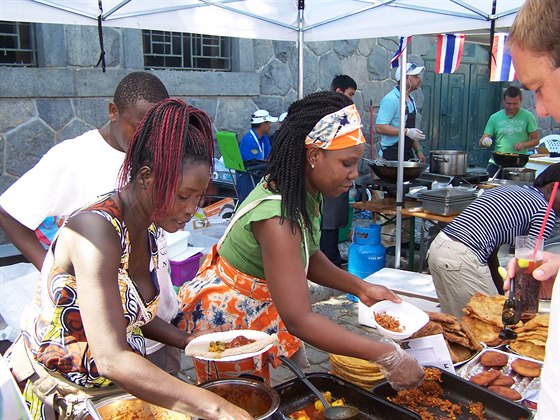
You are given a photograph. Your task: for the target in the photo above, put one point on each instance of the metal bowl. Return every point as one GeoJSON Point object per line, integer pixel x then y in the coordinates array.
{"type": "Point", "coordinates": [257, 398]}
{"type": "Point", "coordinates": [387, 169]}
{"type": "Point", "coordinates": [510, 160]}
{"type": "Point", "coordinates": [129, 407]}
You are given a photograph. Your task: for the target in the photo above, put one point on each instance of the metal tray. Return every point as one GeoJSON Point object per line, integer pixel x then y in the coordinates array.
{"type": "Point", "coordinates": [449, 194]}
{"type": "Point", "coordinates": [527, 387]}
{"type": "Point", "coordinates": [445, 209]}
{"type": "Point", "coordinates": [460, 391]}
{"type": "Point", "coordinates": [294, 395]}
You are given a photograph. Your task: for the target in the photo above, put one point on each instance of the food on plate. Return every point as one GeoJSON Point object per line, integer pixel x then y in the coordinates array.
{"type": "Point", "coordinates": [484, 378]}
{"type": "Point", "coordinates": [428, 398]}
{"type": "Point", "coordinates": [134, 408]}
{"type": "Point", "coordinates": [460, 341]}
{"type": "Point", "coordinates": [204, 346]}
{"type": "Point", "coordinates": [506, 392]}
{"type": "Point", "coordinates": [526, 368]}
{"type": "Point", "coordinates": [493, 359]}
{"type": "Point", "coordinates": [484, 318]}
{"type": "Point", "coordinates": [531, 338]}
{"type": "Point", "coordinates": [221, 346]}
{"type": "Point", "coordinates": [360, 372]}
{"type": "Point", "coordinates": [503, 380]}
{"type": "Point", "coordinates": [388, 322]}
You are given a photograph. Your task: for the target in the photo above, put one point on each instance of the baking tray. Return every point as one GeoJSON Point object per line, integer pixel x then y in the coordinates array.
{"type": "Point", "coordinates": [445, 209]}
{"type": "Point", "coordinates": [527, 387]}
{"type": "Point", "coordinates": [460, 391]}
{"type": "Point", "coordinates": [294, 395]}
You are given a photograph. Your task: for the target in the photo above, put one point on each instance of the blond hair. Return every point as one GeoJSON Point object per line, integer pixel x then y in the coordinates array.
{"type": "Point", "coordinates": [537, 28]}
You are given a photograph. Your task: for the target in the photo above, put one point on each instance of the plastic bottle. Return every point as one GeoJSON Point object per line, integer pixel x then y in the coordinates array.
{"type": "Point", "coordinates": [366, 255]}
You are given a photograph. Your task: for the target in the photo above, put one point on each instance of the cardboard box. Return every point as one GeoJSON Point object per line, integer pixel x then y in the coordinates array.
{"type": "Point", "coordinates": [221, 207]}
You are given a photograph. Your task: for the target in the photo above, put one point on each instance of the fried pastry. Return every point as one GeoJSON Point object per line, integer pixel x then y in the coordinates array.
{"type": "Point", "coordinates": [526, 368]}
{"type": "Point", "coordinates": [493, 359]}
{"type": "Point", "coordinates": [484, 378]}
{"type": "Point", "coordinates": [503, 380]}
{"type": "Point", "coordinates": [506, 392]}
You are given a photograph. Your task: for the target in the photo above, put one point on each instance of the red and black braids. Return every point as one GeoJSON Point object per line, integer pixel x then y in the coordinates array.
{"type": "Point", "coordinates": [172, 134]}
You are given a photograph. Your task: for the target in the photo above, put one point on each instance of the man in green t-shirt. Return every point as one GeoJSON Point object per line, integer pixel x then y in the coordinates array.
{"type": "Point", "coordinates": [513, 129]}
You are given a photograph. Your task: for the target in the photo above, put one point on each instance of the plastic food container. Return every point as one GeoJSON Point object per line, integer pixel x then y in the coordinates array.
{"type": "Point", "coordinates": [409, 316]}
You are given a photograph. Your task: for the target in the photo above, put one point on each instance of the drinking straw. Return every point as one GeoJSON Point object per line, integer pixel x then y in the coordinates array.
{"type": "Point", "coordinates": [541, 233]}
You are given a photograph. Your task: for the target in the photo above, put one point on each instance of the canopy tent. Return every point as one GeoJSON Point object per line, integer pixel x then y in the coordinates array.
{"type": "Point", "coordinates": [288, 20]}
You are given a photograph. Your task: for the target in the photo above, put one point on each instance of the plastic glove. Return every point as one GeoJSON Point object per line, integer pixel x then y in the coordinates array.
{"type": "Point", "coordinates": [400, 369]}
{"type": "Point", "coordinates": [415, 134]}
{"type": "Point", "coordinates": [486, 142]}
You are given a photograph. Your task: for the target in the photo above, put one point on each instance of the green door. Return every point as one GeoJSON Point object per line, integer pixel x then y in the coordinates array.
{"type": "Point", "coordinates": [457, 106]}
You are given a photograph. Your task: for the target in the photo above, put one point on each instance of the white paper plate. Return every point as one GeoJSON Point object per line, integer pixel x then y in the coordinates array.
{"type": "Point", "coordinates": [228, 336]}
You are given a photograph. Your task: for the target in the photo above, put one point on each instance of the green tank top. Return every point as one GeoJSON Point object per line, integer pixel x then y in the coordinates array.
{"type": "Point", "coordinates": [240, 247]}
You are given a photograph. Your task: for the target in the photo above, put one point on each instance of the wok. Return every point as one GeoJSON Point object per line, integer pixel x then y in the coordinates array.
{"type": "Point", "coordinates": [510, 160]}
{"type": "Point", "coordinates": [387, 169]}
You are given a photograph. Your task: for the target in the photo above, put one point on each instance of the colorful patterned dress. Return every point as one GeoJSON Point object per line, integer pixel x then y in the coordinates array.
{"type": "Point", "coordinates": [53, 324]}
{"type": "Point", "coordinates": [230, 287]}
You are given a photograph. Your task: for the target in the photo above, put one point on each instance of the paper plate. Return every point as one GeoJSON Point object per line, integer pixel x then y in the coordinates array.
{"type": "Point", "coordinates": [204, 341]}
{"type": "Point", "coordinates": [409, 316]}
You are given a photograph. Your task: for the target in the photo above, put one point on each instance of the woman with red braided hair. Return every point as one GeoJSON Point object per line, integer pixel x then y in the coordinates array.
{"type": "Point", "coordinates": [256, 277]}
{"type": "Point", "coordinates": [99, 290]}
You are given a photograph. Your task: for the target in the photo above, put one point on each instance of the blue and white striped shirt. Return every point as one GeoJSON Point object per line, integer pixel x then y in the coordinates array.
{"type": "Point", "coordinates": [498, 216]}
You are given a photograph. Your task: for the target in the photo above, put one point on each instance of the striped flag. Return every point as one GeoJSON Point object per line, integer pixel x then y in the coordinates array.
{"type": "Point", "coordinates": [501, 66]}
{"type": "Point", "coordinates": [402, 45]}
{"type": "Point", "coordinates": [449, 52]}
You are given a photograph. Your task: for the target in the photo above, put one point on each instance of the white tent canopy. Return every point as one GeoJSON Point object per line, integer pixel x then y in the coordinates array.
{"type": "Point", "coordinates": [322, 20]}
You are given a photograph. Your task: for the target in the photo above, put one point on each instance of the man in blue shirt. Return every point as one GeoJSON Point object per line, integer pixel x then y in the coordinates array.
{"type": "Point", "coordinates": [388, 118]}
{"type": "Point", "coordinates": [255, 148]}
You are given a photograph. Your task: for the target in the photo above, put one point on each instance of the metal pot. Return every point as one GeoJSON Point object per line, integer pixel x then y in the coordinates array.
{"type": "Point", "coordinates": [519, 174]}
{"type": "Point", "coordinates": [257, 398]}
{"type": "Point", "coordinates": [128, 406]}
{"type": "Point", "coordinates": [510, 160]}
{"type": "Point", "coordinates": [448, 162]}
{"type": "Point", "coordinates": [387, 169]}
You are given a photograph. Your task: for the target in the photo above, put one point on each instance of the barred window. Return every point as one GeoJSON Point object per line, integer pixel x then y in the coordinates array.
{"type": "Point", "coordinates": [186, 51]}
{"type": "Point", "coordinates": [17, 44]}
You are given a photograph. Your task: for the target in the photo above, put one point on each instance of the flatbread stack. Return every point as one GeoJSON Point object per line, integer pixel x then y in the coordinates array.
{"type": "Point", "coordinates": [484, 318]}
{"type": "Point", "coordinates": [362, 373]}
{"type": "Point", "coordinates": [531, 338]}
{"type": "Point", "coordinates": [460, 340]}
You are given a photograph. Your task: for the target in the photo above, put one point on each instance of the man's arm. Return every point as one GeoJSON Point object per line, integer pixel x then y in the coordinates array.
{"type": "Point", "coordinates": [387, 130]}
{"type": "Point", "coordinates": [482, 142]}
{"type": "Point", "coordinates": [23, 238]}
{"type": "Point", "coordinates": [533, 141]}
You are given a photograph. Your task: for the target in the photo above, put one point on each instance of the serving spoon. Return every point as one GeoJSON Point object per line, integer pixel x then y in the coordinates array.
{"type": "Point", "coordinates": [511, 312]}
{"type": "Point", "coordinates": [330, 413]}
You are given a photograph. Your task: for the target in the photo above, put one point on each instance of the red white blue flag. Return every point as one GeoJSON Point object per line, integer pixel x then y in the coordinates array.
{"type": "Point", "coordinates": [501, 66]}
{"type": "Point", "coordinates": [402, 45]}
{"type": "Point", "coordinates": [449, 52]}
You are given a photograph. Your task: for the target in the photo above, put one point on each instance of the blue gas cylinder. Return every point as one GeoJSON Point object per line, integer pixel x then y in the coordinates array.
{"type": "Point", "coordinates": [366, 255]}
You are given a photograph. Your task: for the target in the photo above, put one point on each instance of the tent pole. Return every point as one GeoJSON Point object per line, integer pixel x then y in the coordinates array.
{"type": "Point", "coordinates": [301, 7]}
{"type": "Point", "coordinates": [400, 170]}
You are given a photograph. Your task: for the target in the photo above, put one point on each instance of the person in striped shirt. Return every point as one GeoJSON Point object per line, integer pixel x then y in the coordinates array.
{"type": "Point", "coordinates": [463, 258]}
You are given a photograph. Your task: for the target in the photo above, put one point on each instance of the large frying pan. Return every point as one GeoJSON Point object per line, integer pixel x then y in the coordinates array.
{"type": "Point", "coordinates": [387, 169]}
{"type": "Point", "coordinates": [510, 160]}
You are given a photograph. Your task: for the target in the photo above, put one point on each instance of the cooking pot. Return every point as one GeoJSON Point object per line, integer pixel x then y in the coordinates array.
{"type": "Point", "coordinates": [257, 398]}
{"type": "Point", "coordinates": [387, 169]}
{"type": "Point", "coordinates": [127, 406]}
{"type": "Point", "coordinates": [448, 162]}
{"type": "Point", "coordinates": [519, 174]}
{"type": "Point", "coordinates": [510, 160]}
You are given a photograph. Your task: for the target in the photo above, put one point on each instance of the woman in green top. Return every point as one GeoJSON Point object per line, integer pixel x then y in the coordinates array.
{"type": "Point", "coordinates": [256, 277]}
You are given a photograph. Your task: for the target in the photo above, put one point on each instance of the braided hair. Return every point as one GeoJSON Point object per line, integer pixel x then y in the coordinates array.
{"type": "Point", "coordinates": [172, 134]}
{"type": "Point", "coordinates": [286, 168]}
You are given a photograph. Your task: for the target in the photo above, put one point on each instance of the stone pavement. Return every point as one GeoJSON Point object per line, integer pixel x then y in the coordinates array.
{"type": "Point", "coordinates": [337, 308]}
